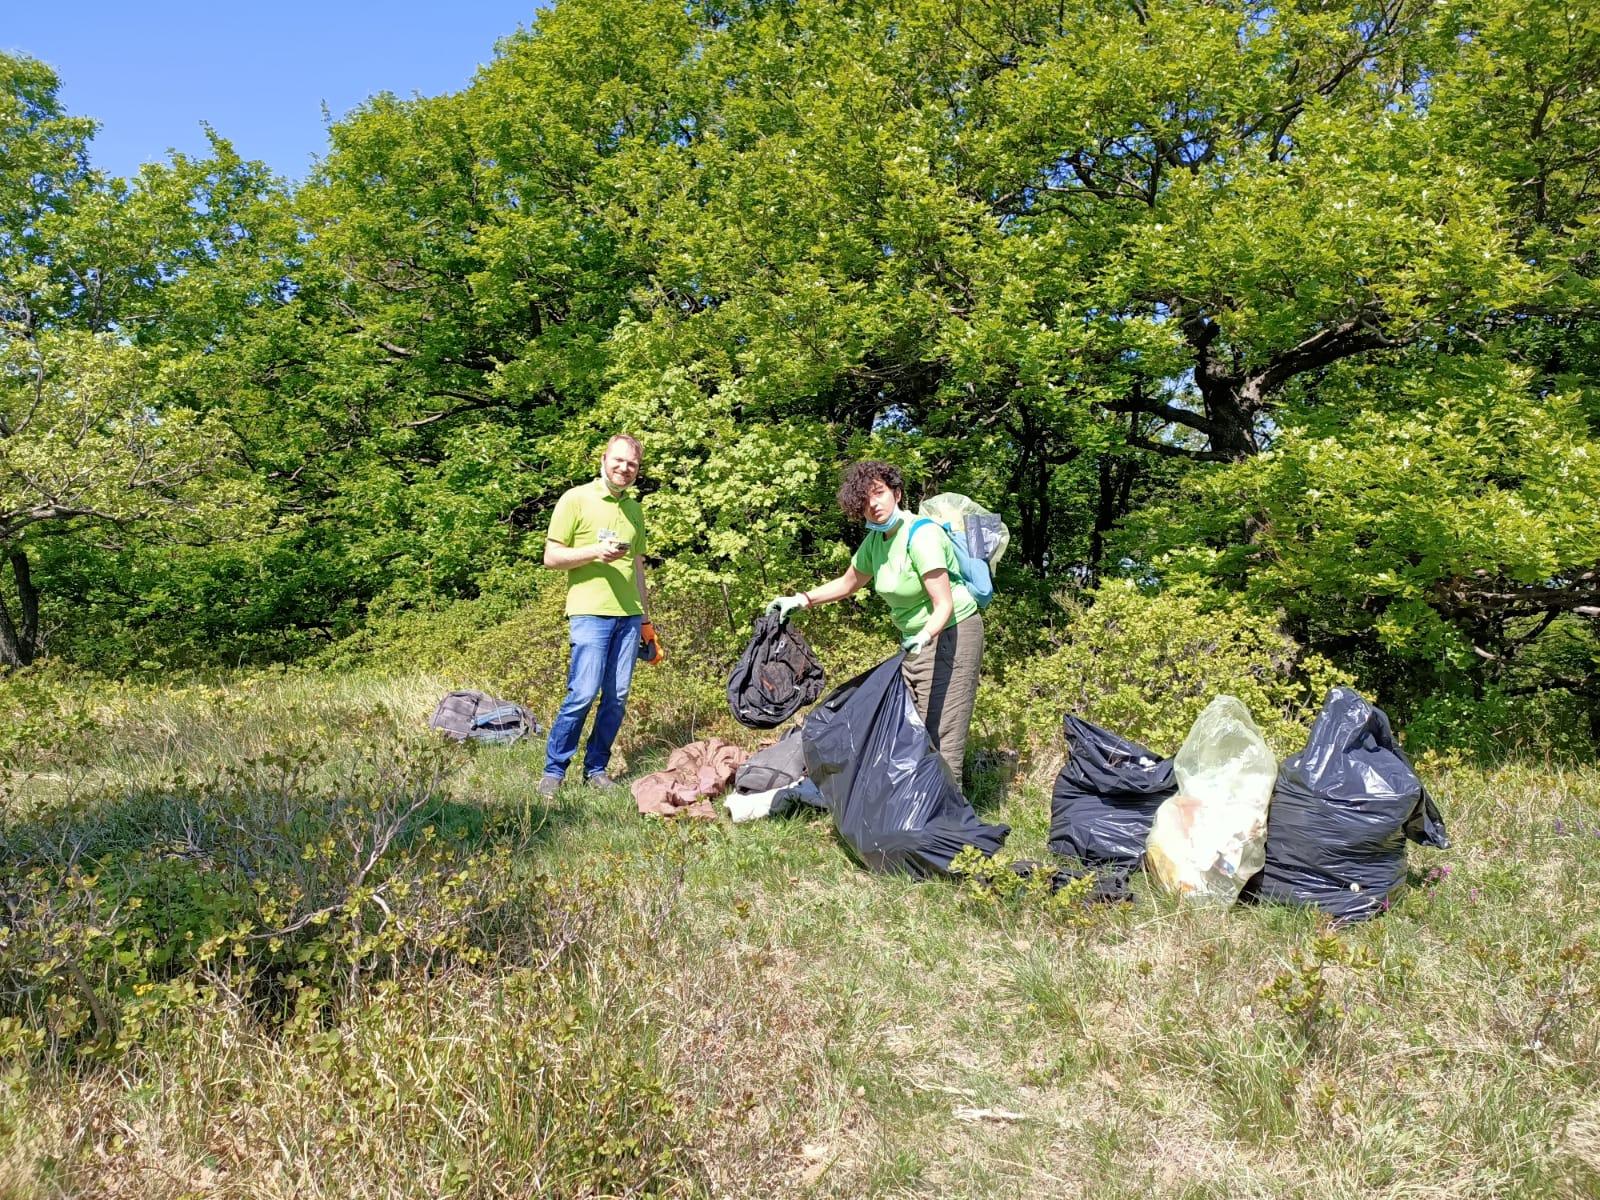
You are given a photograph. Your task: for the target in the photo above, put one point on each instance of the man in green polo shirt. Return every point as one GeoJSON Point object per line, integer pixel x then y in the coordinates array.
{"type": "Point", "coordinates": [597, 537]}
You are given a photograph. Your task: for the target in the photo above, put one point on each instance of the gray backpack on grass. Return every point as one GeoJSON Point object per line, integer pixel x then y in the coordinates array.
{"type": "Point", "coordinates": [479, 717]}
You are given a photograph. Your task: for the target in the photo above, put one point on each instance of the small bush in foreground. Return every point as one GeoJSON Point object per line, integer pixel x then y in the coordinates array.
{"type": "Point", "coordinates": [266, 881]}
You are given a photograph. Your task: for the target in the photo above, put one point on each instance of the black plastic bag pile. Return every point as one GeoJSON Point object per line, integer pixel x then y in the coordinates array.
{"type": "Point", "coordinates": [891, 795]}
{"type": "Point", "coordinates": [1106, 797]}
{"type": "Point", "coordinates": [1342, 812]}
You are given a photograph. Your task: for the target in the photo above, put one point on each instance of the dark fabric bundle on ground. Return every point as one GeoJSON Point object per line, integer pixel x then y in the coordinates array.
{"type": "Point", "coordinates": [775, 677]}
{"type": "Point", "coordinates": [781, 764]}
{"type": "Point", "coordinates": [891, 795]}
{"type": "Point", "coordinates": [1341, 814]}
{"type": "Point", "coordinates": [1106, 796]}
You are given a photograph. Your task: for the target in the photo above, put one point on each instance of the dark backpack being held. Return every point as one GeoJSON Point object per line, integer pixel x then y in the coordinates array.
{"type": "Point", "coordinates": [775, 677]}
{"type": "Point", "coordinates": [479, 717]}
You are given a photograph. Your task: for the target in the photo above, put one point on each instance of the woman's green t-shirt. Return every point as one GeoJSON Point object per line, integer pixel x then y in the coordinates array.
{"type": "Point", "coordinates": [897, 564]}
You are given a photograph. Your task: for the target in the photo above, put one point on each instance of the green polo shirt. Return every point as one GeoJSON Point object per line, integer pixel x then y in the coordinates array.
{"type": "Point", "coordinates": [897, 569]}
{"type": "Point", "coordinates": [600, 589]}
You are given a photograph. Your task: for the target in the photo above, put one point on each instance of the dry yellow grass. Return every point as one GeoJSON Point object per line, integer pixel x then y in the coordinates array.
{"type": "Point", "coordinates": [811, 1029]}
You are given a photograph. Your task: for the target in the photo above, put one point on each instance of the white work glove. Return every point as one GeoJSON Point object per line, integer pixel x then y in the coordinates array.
{"type": "Point", "coordinates": [784, 605]}
{"type": "Point", "coordinates": [915, 644]}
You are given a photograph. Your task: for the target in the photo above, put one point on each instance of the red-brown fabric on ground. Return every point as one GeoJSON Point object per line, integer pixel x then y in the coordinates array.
{"type": "Point", "coordinates": [693, 774]}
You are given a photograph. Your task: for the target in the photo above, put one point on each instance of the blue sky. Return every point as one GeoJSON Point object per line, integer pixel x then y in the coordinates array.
{"type": "Point", "coordinates": [151, 71]}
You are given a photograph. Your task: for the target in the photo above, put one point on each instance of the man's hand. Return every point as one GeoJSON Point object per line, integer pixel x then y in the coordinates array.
{"type": "Point", "coordinates": [915, 644]}
{"type": "Point", "coordinates": [784, 605]}
{"type": "Point", "coordinates": [650, 645]}
{"type": "Point", "coordinates": [610, 551]}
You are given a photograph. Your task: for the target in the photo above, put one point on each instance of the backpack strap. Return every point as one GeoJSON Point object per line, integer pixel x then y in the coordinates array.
{"type": "Point", "coordinates": [501, 715]}
{"type": "Point", "coordinates": [955, 573]}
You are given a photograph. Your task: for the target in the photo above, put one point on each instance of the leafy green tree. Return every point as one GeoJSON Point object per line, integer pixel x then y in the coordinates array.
{"type": "Point", "coordinates": [110, 295]}
{"type": "Point", "coordinates": [1435, 532]}
{"type": "Point", "coordinates": [1212, 267]}
{"type": "Point", "coordinates": [88, 450]}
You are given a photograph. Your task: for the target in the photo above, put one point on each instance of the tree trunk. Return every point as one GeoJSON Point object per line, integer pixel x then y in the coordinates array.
{"type": "Point", "coordinates": [19, 639]}
{"type": "Point", "coordinates": [1029, 486]}
{"type": "Point", "coordinates": [1116, 476]}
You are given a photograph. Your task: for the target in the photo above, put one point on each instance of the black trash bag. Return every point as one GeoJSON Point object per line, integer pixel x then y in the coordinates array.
{"type": "Point", "coordinates": [1341, 813]}
{"type": "Point", "coordinates": [775, 677]}
{"type": "Point", "coordinates": [1106, 797]}
{"type": "Point", "coordinates": [892, 797]}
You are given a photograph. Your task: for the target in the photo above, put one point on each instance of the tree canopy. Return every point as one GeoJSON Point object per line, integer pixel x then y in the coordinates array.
{"type": "Point", "coordinates": [1297, 303]}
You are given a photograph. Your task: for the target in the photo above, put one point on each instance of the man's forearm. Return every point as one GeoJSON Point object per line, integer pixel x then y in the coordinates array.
{"type": "Point", "coordinates": [564, 558]}
{"type": "Point", "coordinates": [638, 579]}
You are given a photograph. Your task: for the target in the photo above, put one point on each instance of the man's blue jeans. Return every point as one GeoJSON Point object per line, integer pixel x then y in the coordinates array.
{"type": "Point", "coordinates": [604, 650]}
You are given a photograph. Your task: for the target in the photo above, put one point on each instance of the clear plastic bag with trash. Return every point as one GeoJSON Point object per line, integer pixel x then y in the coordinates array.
{"type": "Point", "coordinates": [1210, 838]}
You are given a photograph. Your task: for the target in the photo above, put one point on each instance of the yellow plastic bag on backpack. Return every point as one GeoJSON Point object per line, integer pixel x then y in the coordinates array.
{"type": "Point", "coordinates": [988, 537]}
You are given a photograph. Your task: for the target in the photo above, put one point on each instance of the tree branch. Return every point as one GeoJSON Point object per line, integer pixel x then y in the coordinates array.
{"type": "Point", "coordinates": [1323, 348]}
{"type": "Point", "coordinates": [1139, 441]}
{"type": "Point", "coordinates": [471, 404]}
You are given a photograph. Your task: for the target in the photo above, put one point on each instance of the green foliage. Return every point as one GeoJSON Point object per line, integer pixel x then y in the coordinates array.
{"type": "Point", "coordinates": [89, 439]}
{"type": "Point", "coordinates": [1548, 723]}
{"type": "Point", "coordinates": [113, 295]}
{"type": "Point", "coordinates": [1434, 537]}
{"type": "Point", "coordinates": [1307, 293]}
{"type": "Point", "coordinates": [1001, 882]}
{"type": "Point", "coordinates": [442, 637]}
{"type": "Point", "coordinates": [293, 891]}
{"type": "Point", "coordinates": [142, 608]}
{"type": "Point", "coordinates": [1145, 665]}
{"type": "Point", "coordinates": [1420, 517]}
{"type": "Point", "coordinates": [1301, 995]}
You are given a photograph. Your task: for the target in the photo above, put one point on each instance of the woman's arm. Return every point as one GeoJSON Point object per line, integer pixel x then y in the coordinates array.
{"type": "Point", "coordinates": [838, 588]}
{"type": "Point", "coordinates": [937, 585]}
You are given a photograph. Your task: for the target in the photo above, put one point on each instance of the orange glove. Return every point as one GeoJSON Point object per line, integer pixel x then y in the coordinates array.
{"type": "Point", "coordinates": [650, 645]}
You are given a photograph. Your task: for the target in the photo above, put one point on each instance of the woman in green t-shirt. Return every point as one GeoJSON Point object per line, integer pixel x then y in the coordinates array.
{"type": "Point", "coordinates": [940, 627]}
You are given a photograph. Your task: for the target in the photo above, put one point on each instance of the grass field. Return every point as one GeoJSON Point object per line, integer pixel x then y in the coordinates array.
{"type": "Point", "coordinates": [525, 998]}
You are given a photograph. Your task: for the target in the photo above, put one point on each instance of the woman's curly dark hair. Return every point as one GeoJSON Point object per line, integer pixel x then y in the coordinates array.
{"type": "Point", "coordinates": [856, 484]}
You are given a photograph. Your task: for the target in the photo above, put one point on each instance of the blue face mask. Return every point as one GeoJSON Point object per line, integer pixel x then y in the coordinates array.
{"type": "Point", "coordinates": [895, 518]}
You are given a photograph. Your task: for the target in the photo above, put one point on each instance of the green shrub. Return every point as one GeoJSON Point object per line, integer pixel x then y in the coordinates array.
{"type": "Point", "coordinates": [1144, 666]}
{"type": "Point", "coordinates": [1550, 723]}
{"type": "Point", "coordinates": [287, 883]}
{"type": "Point", "coordinates": [521, 656]}
{"type": "Point", "coordinates": [418, 639]}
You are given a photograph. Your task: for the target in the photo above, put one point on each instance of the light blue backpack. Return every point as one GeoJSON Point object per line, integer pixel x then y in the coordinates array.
{"type": "Point", "coordinates": [974, 571]}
